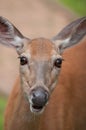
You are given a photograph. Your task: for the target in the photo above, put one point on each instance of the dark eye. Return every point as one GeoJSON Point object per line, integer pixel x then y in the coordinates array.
{"type": "Point", "coordinates": [58, 62]}
{"type": "Point", "coordinates": [23, 60]}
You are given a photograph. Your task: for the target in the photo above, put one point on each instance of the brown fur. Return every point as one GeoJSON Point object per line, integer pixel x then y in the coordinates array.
{"type": "Point", "coordinates": [67, 106]}
{"type": "Point", "coordinates": [41, 49]}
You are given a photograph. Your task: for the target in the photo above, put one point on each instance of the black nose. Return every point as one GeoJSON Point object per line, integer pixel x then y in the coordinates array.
{"type": "Point", "coordinates": [39, 97]}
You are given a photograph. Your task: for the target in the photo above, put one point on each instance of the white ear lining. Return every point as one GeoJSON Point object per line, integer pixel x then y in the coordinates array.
{"type": "Point", "coordinates": [62, 44]}
{"type": "Point", "coordinates": [18, 42]}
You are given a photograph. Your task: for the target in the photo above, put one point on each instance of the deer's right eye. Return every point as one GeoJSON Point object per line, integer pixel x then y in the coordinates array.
{"type": "Point", "coordinates": [23, 60]}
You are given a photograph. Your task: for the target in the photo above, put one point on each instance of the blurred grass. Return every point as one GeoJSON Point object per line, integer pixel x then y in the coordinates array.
{"type": "Point", "coordinates": [3, 101]}
{"type": "Point", "coordinates": [78, 6]}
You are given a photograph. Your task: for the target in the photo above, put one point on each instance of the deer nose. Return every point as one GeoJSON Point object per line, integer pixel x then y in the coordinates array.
{"type": "Point", "coordinates": [39, 97]}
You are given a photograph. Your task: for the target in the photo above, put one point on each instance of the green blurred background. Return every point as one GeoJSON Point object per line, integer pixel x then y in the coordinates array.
{"type": "Point", "coordinates": [3, 102]}
{"type": "Point", "coordinates": [79, 8]}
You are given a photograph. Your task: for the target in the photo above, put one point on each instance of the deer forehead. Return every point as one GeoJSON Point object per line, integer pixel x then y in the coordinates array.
{"type": "Point", "coordinates": [41, 49]}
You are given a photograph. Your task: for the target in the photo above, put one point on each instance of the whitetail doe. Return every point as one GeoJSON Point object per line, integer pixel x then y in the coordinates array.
{"type": "Point", "coordinates": [32, 105]}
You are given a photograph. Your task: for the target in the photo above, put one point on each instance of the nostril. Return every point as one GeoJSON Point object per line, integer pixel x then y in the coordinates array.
{"type": "Point", "coordinates": [34, 96]}
{"type": "Point", "coordinates": [46, 95]}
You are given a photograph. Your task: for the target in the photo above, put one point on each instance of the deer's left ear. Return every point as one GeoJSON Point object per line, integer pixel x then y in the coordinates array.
{"type": "Point", "coordinates": [71, 34]}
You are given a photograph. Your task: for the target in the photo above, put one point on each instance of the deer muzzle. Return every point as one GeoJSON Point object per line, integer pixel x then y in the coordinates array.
{"type": "Point", "coordinates": [38, 99]}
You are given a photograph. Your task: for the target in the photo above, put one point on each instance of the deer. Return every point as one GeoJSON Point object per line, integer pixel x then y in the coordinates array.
{"type": "Point", "coordinates": [50, 93]}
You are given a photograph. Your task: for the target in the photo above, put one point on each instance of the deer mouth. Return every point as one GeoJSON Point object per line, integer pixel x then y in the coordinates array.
{"type": "Point", "coordinates": [36, 109]}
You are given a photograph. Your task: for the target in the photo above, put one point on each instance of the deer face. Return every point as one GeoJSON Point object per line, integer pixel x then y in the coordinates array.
{"type": "Point", "coordinates": [40, 59]}
{"type": "Point", "coordinates": [40, 65]}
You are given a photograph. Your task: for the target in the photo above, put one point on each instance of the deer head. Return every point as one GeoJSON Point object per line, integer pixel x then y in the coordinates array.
{"type": "Point", "coordinates": [40, 59]}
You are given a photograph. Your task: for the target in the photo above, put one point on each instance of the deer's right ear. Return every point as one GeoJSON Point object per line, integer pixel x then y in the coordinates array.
{"type": "Point", "coordinates": [9, 35]}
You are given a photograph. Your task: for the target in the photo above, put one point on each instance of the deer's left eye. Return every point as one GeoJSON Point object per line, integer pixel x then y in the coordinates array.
{"type": "Point", "coordinates": [58, 62]}
{"type": "Point", "coordinates": [23, 60]}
